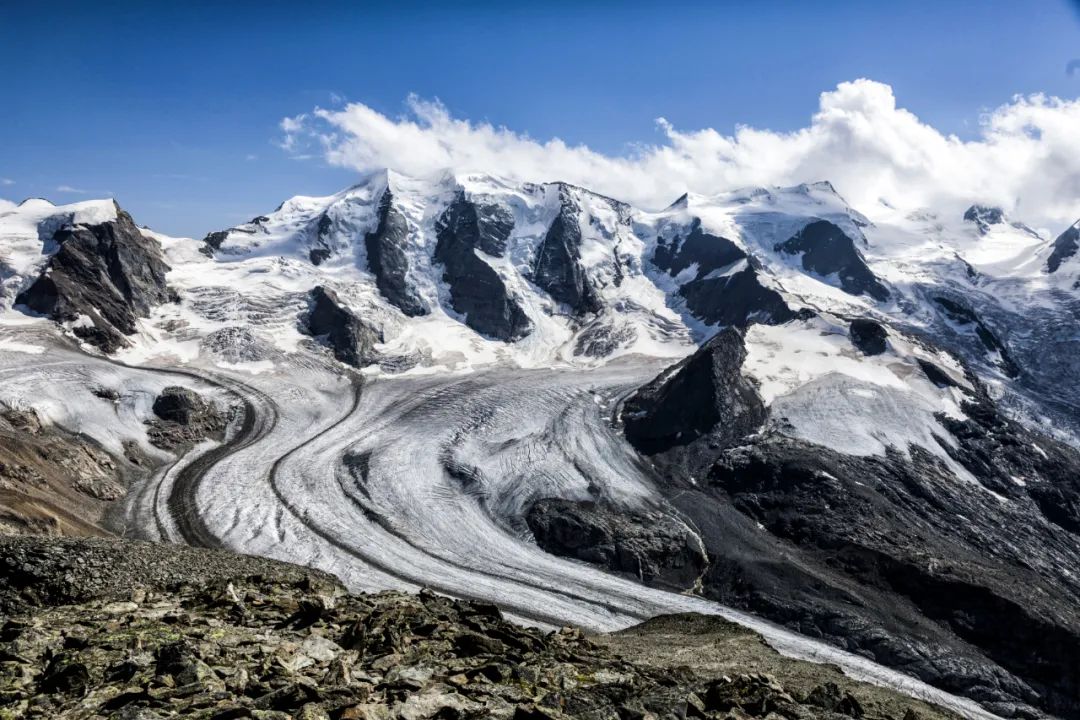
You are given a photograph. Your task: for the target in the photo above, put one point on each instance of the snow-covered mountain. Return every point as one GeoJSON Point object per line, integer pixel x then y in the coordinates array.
{"type": "Point", "coordinates": [464, 271]}
{"type": "Point", "coordinates": [802, 353]}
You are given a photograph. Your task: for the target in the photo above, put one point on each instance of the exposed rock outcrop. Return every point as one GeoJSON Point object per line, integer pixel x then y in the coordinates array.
{"type": "Point", "coordinates": [696, 247]}
{"type": "Point", "coordinates": [984, 217]}
{"type": "Point", "coordinates": [52, 481]}
{"type": "Point", "coordinates": [131, 630]}
{"type": "Point", "coordinates": [388, 261]}
{"type": "Point", "coordinates": [476, 290]}
{"type": "Point", "coordinates": [725, 288]}
{"type": "Point", "coordinates": [736, 299]}
{"type": "Point", "coordinates": [652, 547]}
{"type": "Point", "coordinates": [352, 339]}
{"type": "Point", "coordinates": [1065, 246]}
{"type": "Point", "coordinates": [965, 319]}
{"type": "Point", "coordinates": [101, 278]}
{"type": "Point", "coordinates": [213, 242]}
{"type": "Point", "coordinates": [827, 250]}
{"type": "Point", "coordinates": [869, 336]}
{"type": "Point", "coordinates": [557, 268]}
{"type": "Point", "coordinates": [703, 395]}
{"type": "Point", "coordinates": [867, 551]}
{"type": "Point", "coordinates": [183, 418]}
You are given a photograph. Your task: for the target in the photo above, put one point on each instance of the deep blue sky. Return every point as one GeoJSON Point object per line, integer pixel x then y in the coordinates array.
{"type": "Point", "coordinates": [160, 104]}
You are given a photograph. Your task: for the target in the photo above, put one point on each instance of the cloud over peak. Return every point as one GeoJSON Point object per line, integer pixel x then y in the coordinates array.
{"type": "Point", "coordinates": [1026, 157]}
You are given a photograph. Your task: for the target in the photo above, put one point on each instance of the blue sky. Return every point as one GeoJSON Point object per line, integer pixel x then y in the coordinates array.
{"type": "Point", "coordinates": [174, 108]}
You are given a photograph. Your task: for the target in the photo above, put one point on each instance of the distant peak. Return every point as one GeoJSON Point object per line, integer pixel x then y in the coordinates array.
{"type": "Point", "coordinates": [985, 215]}
{"type": "Point", "coordinates": [36, 200]}
{"type": "Point", "coordinates": [681, 203]}
{"type": "Point", "coordinates": [820, 186]}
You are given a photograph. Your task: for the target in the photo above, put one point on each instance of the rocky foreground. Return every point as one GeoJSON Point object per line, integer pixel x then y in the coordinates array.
{"type": "Point", "coordinates": [112, 629]}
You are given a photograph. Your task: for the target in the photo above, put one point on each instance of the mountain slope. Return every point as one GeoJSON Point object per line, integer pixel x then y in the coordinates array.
{"type": "Point", "coordinates": [903, 388]}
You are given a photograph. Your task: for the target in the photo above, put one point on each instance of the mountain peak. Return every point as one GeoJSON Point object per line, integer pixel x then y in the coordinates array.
{"type": "Point", "coordinates": [985, 216]}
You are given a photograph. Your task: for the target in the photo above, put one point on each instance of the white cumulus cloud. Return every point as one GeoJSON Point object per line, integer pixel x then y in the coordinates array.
{"type": "Point", "coordinates": [69, 189]}
{"type": "Point", "coordinates": [6, 181]}
{"type": "Point", "coordinates": [1025, 156]}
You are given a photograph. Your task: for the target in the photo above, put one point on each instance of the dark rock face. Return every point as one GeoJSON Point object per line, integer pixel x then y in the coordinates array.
{"type": "Point", "coordinates": [1065, 247]}
{"type": "Point", "coordinates": [736, 300]}
{"type": "Point", "coordinates": [990, 618]}
{"type": "Point", "coordinates": [984, 216]}
{"type": "Point", "coordinates": [110, 272]}
{"type": "Point", "coordinates": [318, 256]}
{"type": "Point", "coordinates": [868, 336]}
{"type": "Point", "coordinates": [352, 340]}
{"type": "Point", "coordinates": [476, 290]}
{"type": "Point", "coordinates": [180, 405]}
{"type": "Point", "coordinates": [970, 584]}
{"type": "Point", "coordinates": [387, 259]}
{"type": "Point", "coordinates": [826, 250]}
{"type": "Point", "coordinates": [557, 268]}
{"type": "Point", "coordinates": [184, 417]}
{"type": "Point", "coordinates": [705, 395]}
{"type": "Point", "coordinates": [710, 252]}
{"type": "Point", "coordinates": [212, 242]}
{"type": "Point", "coordinates": [652, 547]}
{"type": "Point", "coordinates": [964, 316]}
{"type": "Point", "coordinates": [720, 293]}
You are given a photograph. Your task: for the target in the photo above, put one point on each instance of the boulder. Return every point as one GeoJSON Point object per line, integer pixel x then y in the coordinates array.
{"type": "Point", "coordinates": [1065, 246]}
{"type": "Point", "coordinates": [183, 418]}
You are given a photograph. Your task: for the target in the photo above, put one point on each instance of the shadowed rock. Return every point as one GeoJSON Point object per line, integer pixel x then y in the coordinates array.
{"type": "Point", "coordinates": [557, 268]}
{"type": "Point", "coordinates": [984, 216]}
{"type": "Point", "coordinates": [184, 417]}
{"type": "Point", "coordinates": [868, 336]}
{"type": "Point", "coordinates": [476, 290]}
{"type": "Point", "coordinates": [964, 317]}
{"type": "Point", "coordinates": [827, 250]}
{"type": "Point", "coordinates": [352, 340]}
{"type": "Point", "coordinates": [710, 252]}
{"type": "Point", "coordinates": [387, 259]}
{"type": "Point", "coordinates": [109, 273]}
{"type": "Point", "coordinates": [1065, 247]}
{"type": "Point", "coordinates": [737, 299]}
{"type": "Point", "coordinates": [649, 546]}
{"type": "Point", "coordinates": [725, 288]}
{"type": "Point", "coordinates": [704, 395]}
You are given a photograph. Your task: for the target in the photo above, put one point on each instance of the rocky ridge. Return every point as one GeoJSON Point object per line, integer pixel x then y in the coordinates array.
{"type": "Point", "coordinates": [865, 551]}
{"type": "Point", "coordinates": [102, 277]}
{"type": "Point", "coordinates": [208, 635]}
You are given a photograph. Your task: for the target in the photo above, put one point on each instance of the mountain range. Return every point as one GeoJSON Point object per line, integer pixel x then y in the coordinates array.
{"type": "Point", "coordinates": [860, 427]}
